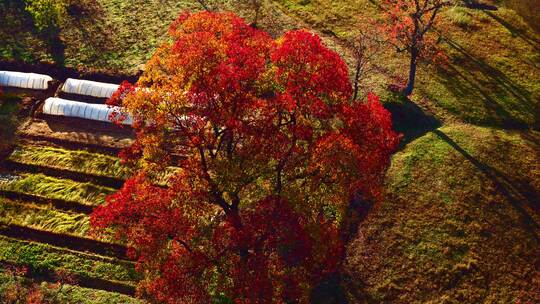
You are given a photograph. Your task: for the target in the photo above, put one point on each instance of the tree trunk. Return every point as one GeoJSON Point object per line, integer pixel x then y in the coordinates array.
{"type": "Point", "coordinates": [356, 80]}
{"type": "Point", "coordinates": [412, 72]}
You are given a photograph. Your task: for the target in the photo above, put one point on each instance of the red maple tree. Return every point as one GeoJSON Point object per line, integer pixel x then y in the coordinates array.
{"type": "Point", "coordinates": [268, 151]}
{"type": "Point", "coordinates": [409, 27]}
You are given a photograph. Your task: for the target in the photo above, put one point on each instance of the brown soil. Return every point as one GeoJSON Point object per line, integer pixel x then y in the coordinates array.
{"type": "Point", "coordinates": [78, 131]}
{"type": "Point", "coordinates": [82, 98]}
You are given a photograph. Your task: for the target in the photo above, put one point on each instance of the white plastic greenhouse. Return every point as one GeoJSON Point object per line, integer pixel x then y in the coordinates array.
{"type": "Point", "coordinates": [24, 80]}
{"type": "Point", "coordinates": [89, 88]}
{"type": "Point", "coordinates": [69, 108]}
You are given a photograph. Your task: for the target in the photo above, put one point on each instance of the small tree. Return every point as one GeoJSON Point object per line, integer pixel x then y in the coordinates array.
{"type": "Point", "coordinates": [255, 6]}
{"type": "Point", "coordinates": [272, 152]}
{"type": "Point", "coordinates": [365, 45]}
{"type": "Point", "coordinates": [408, 25]}
{"type": "Point", "coordinates": [206, 6]}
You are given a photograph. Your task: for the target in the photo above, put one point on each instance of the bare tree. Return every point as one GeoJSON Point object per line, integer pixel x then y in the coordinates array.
{"type": "Point", "coordinates": [365, 46]}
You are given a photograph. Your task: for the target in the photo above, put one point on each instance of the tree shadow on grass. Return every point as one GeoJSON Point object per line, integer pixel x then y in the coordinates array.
{"type": "Point", "coordinates": [518, 32]}
{"type": "Point", "coordinates": [16, 28]}
{"type": "Point", "coordinates": [88, 17]}
{"type": "Point", "coordinates": [471, 78]}
{"type": "Point", "coordinates": [83, 30]}
{"type": "Point", "coordinates": [9, 108]}
{"type": "Point", "coordinates": [520, 194]}
{"type": "Point", "coordinates": [56, 47]}
{"type": "Point", "coordinates": [465, 87]}
{"type": "Point", "coordinates": [17, 23]}
{"type": "Point", "coordinates": [330, 291]}
{"type": "Point", "coordinates": [410, 120]}
{"type": "Point", "coordinates": [495, 75]}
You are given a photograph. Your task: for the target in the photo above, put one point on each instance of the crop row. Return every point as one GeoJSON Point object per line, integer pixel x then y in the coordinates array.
{"type": "Point", "coordinates": [47, 187]}
{"type": "Point", "coordinates": [79, 161]}
{"type": "Point", "coordinates": [43, 217]}
{"type": "Point", "coordinates": [45, 258]}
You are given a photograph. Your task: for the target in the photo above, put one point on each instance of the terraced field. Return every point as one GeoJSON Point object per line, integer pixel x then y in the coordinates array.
{"type": "Point", "coordinates": [46, 195]}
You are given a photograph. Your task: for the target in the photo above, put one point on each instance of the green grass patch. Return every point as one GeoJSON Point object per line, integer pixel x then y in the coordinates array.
{"type": "Point", "coordinates": [42, 257]}
{"type": "Point", "coordinates": [113, 35]}
{"type": "Point", "coordinates": [62, 189]}
{"type": "Point", "coordinates": [76, 294]}
{"type": "Point", "coordinates": [491, 78]}
{"type": "Point", "coordinates": [461, 210]}
{"type": "Point", "coordinates": [79, 161]}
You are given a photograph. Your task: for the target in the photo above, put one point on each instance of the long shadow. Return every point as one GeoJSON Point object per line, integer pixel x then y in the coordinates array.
{"type": "Point", "coordinates": [90, 13]}
{"type": "Point", "coordinates": [463, 86]}
{"type": "Point", "coordinates": [518, 196]}
{"type": "Point", "coordinates": [518, 32]}
{"type": "Point", "coordinates": [330, 289]}
{"type": "Point", "coordinates": [498, 77]}
{"type": "Point", "coordinates": [87, 23]}
{"type": "Point", "coordinates": [15, 19]}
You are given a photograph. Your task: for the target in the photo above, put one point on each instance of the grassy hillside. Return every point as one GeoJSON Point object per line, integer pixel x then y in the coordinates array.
{"type": "Point", "coordinates": [491, 78]}
{"type": "Point", "coordinates": [493, 70]}
{"type": "Point", "coordinates": [460, 223]}
{"type": "Point", "coordinates": [103, 35]}
{"type": "Point", "coordinates": [113, 35]}
{"type": "Point", "coordinates": [44, 224]}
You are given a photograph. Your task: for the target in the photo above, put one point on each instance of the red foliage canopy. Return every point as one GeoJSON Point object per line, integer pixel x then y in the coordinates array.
{"type": "Point", "coordinates": [268, 152]}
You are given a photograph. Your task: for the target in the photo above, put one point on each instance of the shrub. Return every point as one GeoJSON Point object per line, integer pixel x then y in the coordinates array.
{"type": "Point", "coordinates": [47, 14]}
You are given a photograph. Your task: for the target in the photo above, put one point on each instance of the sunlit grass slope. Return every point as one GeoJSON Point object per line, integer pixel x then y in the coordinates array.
{"type": "Point", "coordinates": [43, 217]}
{"type": "Point", "coordinates": [43, 257]}
{"type": "Point", "coordinates": [61, 189]}
{"type": "Point", "coordinates": [104, 34]}
{"type": "Point", "coordinates": [460, 223]}
{"type": "Point", "coordinates": [70, 160]}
